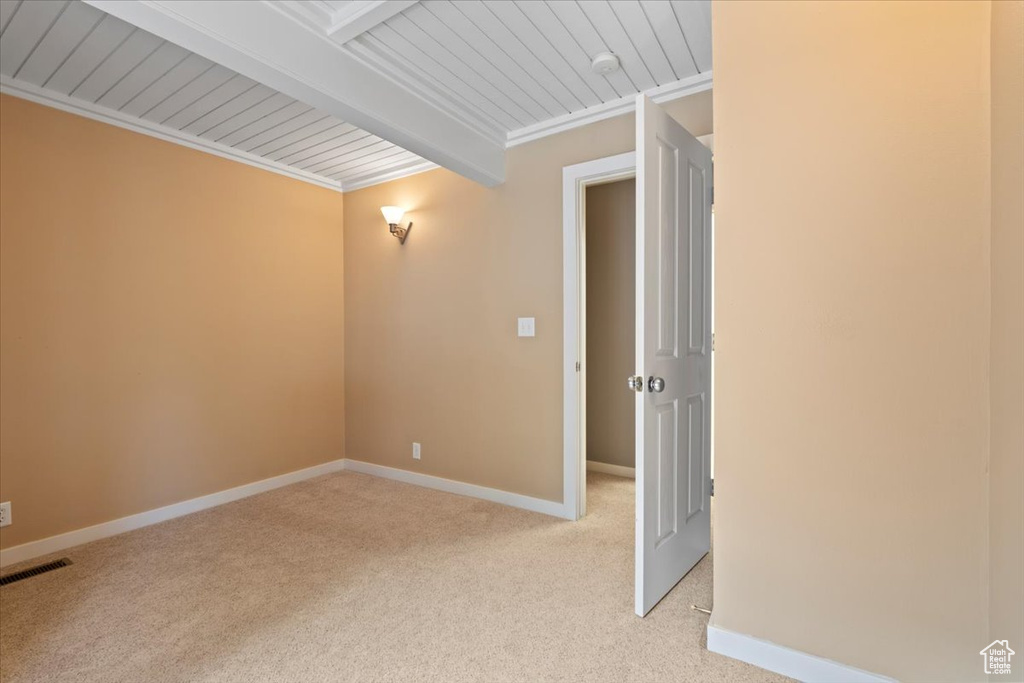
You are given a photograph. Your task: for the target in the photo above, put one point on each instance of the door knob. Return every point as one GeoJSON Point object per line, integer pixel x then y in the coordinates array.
{"type": "Point", "coordinates": [655, 384]}
{"type": "Point", "coordinates": [635, 383]}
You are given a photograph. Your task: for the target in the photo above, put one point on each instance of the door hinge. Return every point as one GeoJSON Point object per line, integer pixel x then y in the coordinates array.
{"type": "Point", "coordinates": [712, 341]}
{"type": "Point", "coordinates": [577, 366]}
{"type": "Point", "coordinates": [712, 486]}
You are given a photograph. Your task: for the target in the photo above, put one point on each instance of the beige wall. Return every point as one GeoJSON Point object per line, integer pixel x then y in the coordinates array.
{"type": "Point", "coordinates": [1007, 470]}
{"type": "Point", "coordinates": [171, 323]}
{"type": "Point", "coordinates": [611, 321]}
{"type": "Point", "coordinates": [852, 266]}
{"type": "Point", "coordinates": [431, 352]}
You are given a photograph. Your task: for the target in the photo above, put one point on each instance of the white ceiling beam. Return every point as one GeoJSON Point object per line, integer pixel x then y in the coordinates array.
{"type": "Point", "coordinates": [255, 39]}
{"type": "Point", "coordinates": [362, 15]}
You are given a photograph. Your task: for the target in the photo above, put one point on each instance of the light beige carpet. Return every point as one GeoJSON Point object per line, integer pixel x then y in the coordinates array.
{"type": "Point", "coordinates": [352, 578]}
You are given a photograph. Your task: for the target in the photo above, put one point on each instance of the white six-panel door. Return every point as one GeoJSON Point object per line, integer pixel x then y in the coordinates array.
{"type": "Point", "coordinates": [673, 344]}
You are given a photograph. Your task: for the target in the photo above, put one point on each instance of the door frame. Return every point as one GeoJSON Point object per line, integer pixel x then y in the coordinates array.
{"type": "Point", "coordinates": [575, 181]}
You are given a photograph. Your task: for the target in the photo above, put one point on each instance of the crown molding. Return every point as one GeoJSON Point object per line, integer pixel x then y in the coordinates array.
{"type": "Point", "coordinates": [623, 105]}
{"type": "Point", "coordinates": [50, 98]}
{"type": "Point", "coordinates": [394, 173]}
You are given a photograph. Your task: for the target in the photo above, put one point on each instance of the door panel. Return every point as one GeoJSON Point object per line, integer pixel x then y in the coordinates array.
{"type": "Point", "coordinates": [673, 529]}
{"type": "Point", "coordinates": [668, 263]}
{"type": "Point", "coordinates": [695, 454]}
{"type": "Point", "coordinates": [697, 235]}
{"type": "Point", "coordinates": [668, 436]}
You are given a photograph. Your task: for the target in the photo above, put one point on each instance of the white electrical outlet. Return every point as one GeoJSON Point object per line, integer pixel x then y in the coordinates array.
{"type": "Point", "coordinates": [5, 514]}
{"type": "Point", "coordinates": [527, 327]}
{"type": "Point", "coordinates": [415, 451]}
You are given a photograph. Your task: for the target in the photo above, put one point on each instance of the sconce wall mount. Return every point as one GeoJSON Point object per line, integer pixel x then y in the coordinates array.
{"type": "Point", "coordinates": [393, 215]}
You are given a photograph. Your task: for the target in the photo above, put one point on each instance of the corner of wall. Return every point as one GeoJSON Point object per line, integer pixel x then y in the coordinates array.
{"type": "Point", "coordinates": [1006, 376]}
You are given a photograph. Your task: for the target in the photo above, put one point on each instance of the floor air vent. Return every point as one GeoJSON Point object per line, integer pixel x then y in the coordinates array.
{"type": "Point", "coordinates": [33, 571]}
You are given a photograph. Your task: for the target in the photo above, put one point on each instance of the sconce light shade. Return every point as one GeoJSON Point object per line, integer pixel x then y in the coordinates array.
{"type": "Point", "coordinates": [392, 214]}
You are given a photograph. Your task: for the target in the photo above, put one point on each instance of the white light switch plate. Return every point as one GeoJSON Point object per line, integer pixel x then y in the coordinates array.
{"type": "Point", "coordinates": [527, 327]}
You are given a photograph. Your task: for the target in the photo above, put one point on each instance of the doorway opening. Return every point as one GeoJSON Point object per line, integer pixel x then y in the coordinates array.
{"type": "Point", "coordinates": [608, 295]}
{"type": "Point", "coordinates": [609, 273]}
{"type": "Point", "coordinates": [576, 180]}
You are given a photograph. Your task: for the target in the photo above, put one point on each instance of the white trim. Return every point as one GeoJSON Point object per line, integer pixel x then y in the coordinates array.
{"type": "Point", "coordinates": [415, 85]}
{"type": "Point", "coordinates": [53, 544]}
{"type": "Point", "coordinates": [546, 507]}
{"type": "Point", "coordinates": [599, 112]}
{"type": "Point", "coordinates": [312, 15]}
{"type": "Point", "coordinates": [93, 111]}
{"type": "Point", "coordinates": [51, 98]}
{"type": "Point", "coordinates": [342, 25]}
{"type": "Point", "coordinates": [359, 17]}
{"type": "Point", "coordinates": [385, 175]}
{"type": "Point", "coordinates": [574, 179]}
{"type": "Point", "coordinates": [608, 468]}
{"type": "Point", "coordinates": [45, 546]}
{"type": "Point", "coordinates": [784, 660]}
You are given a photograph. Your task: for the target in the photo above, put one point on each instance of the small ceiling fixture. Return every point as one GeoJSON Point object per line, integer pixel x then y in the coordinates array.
{"type": "Point", "coordinates": [393, 215]}
{"type": "Point", "coordinates": [605, 63]}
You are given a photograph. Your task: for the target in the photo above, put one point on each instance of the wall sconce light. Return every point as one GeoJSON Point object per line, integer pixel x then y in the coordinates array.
{"type": "Point", "coordinates": [393, 215]}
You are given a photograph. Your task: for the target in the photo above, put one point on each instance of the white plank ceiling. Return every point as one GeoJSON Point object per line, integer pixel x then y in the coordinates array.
{"type": "Point", "coordinates": [67, 52]}
{"type": "Point", "coordinates": [512, 70]}
{"type": "Point", "coordinates": [513, 66]}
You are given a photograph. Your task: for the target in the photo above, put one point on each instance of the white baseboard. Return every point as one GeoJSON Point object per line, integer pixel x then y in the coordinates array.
{"type": "Point", "coordinates": [606, 468]}
{"type": "Point", "coordinates": [45, 546]}
{"type": "Point", "coordinates": [785, 661]}
{"type": "Point", "coordinates": [546, 507]}
{"type": "Point", "coordinates": [53, 544]}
